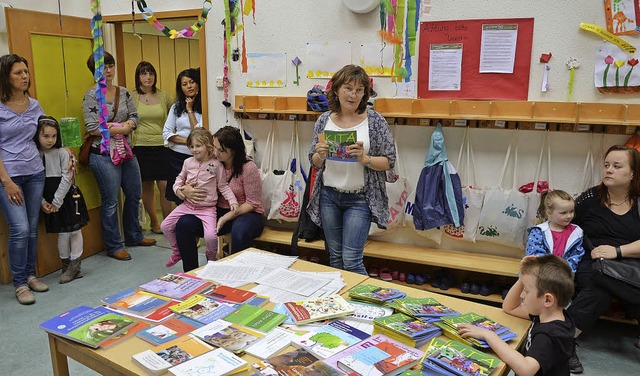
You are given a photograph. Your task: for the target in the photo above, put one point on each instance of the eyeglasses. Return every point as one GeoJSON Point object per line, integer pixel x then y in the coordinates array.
{"type": "Point", "coordinates": [350, 91]}
{"type": "Point", "coordinates": [109, 66]}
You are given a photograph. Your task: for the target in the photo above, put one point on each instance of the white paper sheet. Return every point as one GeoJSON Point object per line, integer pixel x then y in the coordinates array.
{"type": "Point", "coordinates": [293, 281]}
{"type": "Point", "coordinates": [219, 271]}
{"type": "Point", "coordinates": [445, 66]}
{"type": "Point", "coordinates": [326, 58]}
{"type": "Point", "coordinates": [498, 49]}
{"type": "Point", "coordinates": [266, 70]}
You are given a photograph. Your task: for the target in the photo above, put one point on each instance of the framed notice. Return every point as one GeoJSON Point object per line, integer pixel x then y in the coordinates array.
{"type": "Point", "coordinates": [475, 59]}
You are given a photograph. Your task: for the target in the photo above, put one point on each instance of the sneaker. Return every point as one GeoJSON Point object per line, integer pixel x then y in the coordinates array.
{"type": "Point", "coordinates": [24, 295]}
{"type": "Point", "coordinates": [373, 271]}
{"type": "Point", "coordinates": [173, 260]}
{"type": "Point", "coordinates": [385, 274]}
{"type": "Point", "coordinates": [35, 285]}
{"type": "Point", "coordinates": [574, 363]}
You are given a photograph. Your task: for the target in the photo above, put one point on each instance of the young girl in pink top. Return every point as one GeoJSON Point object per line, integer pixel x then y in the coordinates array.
{"type": "Point", "coordinates": [557, 234]}
{"type": "Point", "coordinates": [203, 171]}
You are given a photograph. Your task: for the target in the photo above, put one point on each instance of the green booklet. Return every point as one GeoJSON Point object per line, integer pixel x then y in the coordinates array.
{"type": "Point", "coordinates": [463, 360]}
{"type": "Point", "coordinates": [477, 320]}
{"type": "Point", "coordinates": [423, 307]}
{"type": "Point", "coordinates": [406, 325]}
{"type": "Point", "coordinates": [256, 318]}
{"type": "Point", "coordinates": [338, 142]}
{"type": "Point", "coordinates": [374, 294]}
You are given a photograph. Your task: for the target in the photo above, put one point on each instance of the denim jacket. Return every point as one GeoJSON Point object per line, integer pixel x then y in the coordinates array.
{"type": "Point", "coordinates": [381, 144]}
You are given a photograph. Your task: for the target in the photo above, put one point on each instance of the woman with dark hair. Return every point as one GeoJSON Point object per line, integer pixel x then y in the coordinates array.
{"type": "Point", "coordinates": [21, 174]}
{"type": "Point", "coordinates": [350, 186]}
{"type": "Point", "coordinates": [609, 215]}
{"type": "Point", "coordinates": [185, 115]}
{"type": "Point", "coordinates": [153, 106]}
{"type": "Point", "coordinates": [243, 177]}
{"type": "Point", "coordinates": [122, 119]}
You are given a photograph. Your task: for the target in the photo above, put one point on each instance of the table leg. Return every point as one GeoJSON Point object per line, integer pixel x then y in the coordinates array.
{"type": "Point", "coordinates": [58, 360]}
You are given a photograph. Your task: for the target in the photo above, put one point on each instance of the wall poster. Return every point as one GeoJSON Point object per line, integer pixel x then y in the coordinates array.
{"type": "Point", "coordinates": [461, 72]}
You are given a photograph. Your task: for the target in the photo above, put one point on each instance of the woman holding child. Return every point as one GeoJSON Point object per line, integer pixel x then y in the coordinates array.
{"type": "Point", "coordinates": [609, 215]}
{"type": "Point", "coordinates": [243, 177]}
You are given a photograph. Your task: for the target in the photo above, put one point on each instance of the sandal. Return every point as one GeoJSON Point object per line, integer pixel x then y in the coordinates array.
{"type": "Point", "coordinates": [385, 274]}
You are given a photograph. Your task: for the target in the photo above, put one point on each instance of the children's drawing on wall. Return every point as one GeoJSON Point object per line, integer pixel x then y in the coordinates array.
{"type": "Point", "coordinates": [622, 16]}
{"type": "Point", "coordinates": [404, 89]}
{"type": "Point", "coordinates": [326, 58]}
{"type": "Point", "coordinates": [614, 71]}
{"type": "Point", "coordinates": [266, 70]}
{"type": "Point", "coordinates": [376, 59]}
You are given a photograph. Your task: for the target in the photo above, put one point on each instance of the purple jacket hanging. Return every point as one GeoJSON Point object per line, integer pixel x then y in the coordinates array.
{"type": "Point", "coordinates": [439, 193]}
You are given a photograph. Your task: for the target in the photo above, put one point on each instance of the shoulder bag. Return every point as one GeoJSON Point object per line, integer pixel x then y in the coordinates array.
{"type": "Point", "coordinates": [87, 139]}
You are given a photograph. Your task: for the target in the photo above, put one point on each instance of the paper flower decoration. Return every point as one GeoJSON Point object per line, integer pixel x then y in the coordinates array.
{"type": "Point", "coordinates": [633, 63]}
{"type": "Point", "coordinates": [296, 61]}
{"type": "Point", "coordinates": [572, 65]}
{"type": "Point", "coordinates": [607, 60]}
{"type": "Point", "coordinates": [544, 58]}
{"type": "Point", "coordinates": [618, 63]}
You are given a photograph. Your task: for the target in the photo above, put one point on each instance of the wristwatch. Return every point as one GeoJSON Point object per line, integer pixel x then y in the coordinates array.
{"type": "Point", "coordinates": [368, 164]}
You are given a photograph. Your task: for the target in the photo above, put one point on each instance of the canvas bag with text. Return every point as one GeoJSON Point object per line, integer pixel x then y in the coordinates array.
{"type": "Point", "coordinates": [286, 200]}
{"type": "Point", "coordinates": [397, 193]}
{"type": "Point", "coordinates": [267, 174]}
{"type": "Point", "coordinates": [472, 195]}
{"type": "Point", "coordinates": [503, 219]}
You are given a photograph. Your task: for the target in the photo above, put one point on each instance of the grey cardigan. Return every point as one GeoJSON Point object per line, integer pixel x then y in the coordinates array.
{"type": "Point", "coordinates": [381, 144]}
{"type": "Point", "coordinates": [126, 111]}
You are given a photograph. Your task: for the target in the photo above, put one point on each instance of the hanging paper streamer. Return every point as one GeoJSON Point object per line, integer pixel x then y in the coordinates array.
{"type": "Point", "coordinates": [98, 75]}
{"type": "Point", "coordinates": [544, 58]}
{"type": "Point", "coordinates": [572, 65]}
{"type": "Point", "coordinates": [627, 47]}
{"type": "Point", "coordinates": [187, 32]}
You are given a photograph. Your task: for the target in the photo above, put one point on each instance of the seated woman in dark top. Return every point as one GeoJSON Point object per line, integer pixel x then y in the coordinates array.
{"type": "Point", "coordinates": [243, 176]}
{"type": "Point", "coordinates": [609, 215]}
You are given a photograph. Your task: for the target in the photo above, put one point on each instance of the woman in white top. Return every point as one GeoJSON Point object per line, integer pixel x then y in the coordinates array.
{"type": "Point", "coordinates": [352, 149]}
{"type": "Point", "coordinates": [184, 116]}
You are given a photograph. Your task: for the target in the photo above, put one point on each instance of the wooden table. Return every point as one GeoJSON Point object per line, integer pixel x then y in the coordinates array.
{"type": "Point", "coordinates": [116, 360]}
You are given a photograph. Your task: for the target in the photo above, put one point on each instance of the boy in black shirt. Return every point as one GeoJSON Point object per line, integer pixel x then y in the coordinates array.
{"type": "Point", "coordinates": [545, 286]}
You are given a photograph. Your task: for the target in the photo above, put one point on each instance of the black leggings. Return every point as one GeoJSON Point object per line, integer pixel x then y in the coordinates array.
{"type": "Point", "coordinates": [243, 230]}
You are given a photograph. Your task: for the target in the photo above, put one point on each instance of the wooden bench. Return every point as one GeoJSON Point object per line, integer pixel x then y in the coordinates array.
{"type": "Point", "coordinates": [487, 265]}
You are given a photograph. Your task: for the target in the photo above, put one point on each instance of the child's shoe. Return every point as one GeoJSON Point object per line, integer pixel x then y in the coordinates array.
{"type": "Point", "coordinates": [173, 260]}
{"type": "Point", "coordinates": [211, 256]}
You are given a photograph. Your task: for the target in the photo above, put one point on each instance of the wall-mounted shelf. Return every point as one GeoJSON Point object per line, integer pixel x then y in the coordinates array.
{"type": "Point", "coordinates": [562, 116]}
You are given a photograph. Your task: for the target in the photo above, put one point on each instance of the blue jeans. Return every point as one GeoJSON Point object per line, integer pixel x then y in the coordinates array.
{"type": "Point", "coordinates": [110, 178]}
{"type": "Point", "coordinates": [346, 219]}
{"type": "Point", "coordinates": [23, 226]}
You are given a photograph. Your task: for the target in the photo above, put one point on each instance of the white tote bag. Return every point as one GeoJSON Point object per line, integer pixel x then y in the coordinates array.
{"type": "Point", "coordinates": [472, 195]}
{"type": "Point", "coordinates": [286, 200]}
{"type": "Point", "coordinates": [267, 175]}
{"type": "Point", "coordinates": [247, 138]}
{"type": "Point", "coordinates": [503, 219]}
{"type": "Point", "coordinates": [397, 193]}
{"type": "Point", "coordinates": [533, 197]}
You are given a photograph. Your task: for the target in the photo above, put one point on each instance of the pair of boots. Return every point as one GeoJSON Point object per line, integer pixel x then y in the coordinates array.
{"type": "Point", "coordinates": [70, 270]}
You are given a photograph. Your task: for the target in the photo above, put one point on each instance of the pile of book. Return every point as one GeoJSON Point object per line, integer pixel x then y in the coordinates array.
{"type": "Point", "coordinates": [454, 358]}
{"type": "Point", "coordinates": [450, 324]}
{"type": "Point", "coordinates": [377, 355]}
{"type": "Point", "coordinates": [406, 329]}
{"type": "Point", "coordinates": [425, 309]}
{"type": "Point", "coordinates": [375, 294]}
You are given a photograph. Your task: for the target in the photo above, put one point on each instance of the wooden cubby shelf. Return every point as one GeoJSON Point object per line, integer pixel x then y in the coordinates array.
{"type": "Point", "coordinates": [420, 111]}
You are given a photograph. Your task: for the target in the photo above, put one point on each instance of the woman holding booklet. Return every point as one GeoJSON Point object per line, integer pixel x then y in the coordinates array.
{"type": "Point", "coordinates": [355, 154]}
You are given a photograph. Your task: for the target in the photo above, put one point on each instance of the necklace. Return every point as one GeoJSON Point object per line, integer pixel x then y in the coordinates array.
{"type": "Point", "coordinates": [15, 103]}
{"type": "Point", "coordinates": [620, 203]}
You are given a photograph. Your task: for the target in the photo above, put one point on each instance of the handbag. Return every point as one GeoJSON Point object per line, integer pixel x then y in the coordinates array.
{"type": "Point", "coordinates": [87, 139]}
{"type": "Point", "coordinates": [626, 270]}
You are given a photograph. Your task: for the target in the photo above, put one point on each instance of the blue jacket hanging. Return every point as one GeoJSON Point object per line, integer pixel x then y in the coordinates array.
{"type": "Point", "coordinates": [439, 193]}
